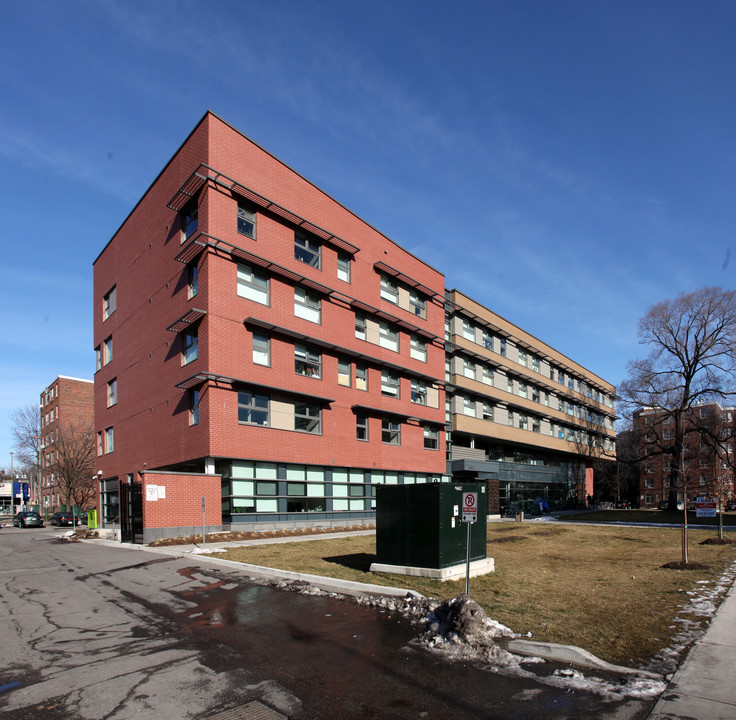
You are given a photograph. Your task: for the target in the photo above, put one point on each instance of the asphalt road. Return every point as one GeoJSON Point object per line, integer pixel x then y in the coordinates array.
{"type": "Point", "coordinates": [89, 632]}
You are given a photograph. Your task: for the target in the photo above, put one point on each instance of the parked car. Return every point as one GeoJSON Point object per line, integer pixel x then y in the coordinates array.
{"type": "Point", "coordinates": [730, 505]}
{"type": "Point", "coordinates": [63, 518]}
{"type": "Point", "coordinates": [28, 518]}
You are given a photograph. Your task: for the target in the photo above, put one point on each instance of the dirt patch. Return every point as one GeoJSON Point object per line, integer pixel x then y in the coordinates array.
{"type": "Point", "coordinates": [717, 541]}
{"type": "Point", "coordinates": [679, 565]}
{"type": "Point", "coordinates": [242, 535]}
{"type": "Point", "coordinates": [548, 532]}
{"type": "Point", "coordinates": [506, 538]}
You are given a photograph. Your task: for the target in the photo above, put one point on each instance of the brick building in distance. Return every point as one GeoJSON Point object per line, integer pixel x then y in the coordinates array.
{"type": "Point", "coordinates": [67, 423]}
{"type": "Point", "coordinates": [707, 456]}
{"type": "Point", "coordinates": [276, 357]}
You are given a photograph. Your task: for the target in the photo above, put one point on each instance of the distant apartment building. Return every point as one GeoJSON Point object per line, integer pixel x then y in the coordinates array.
{"type": "Point", "coordinates": [67, 416]}
{"type": "Point", "coordinates": [522, 415]}
{"type": "Point", "coordinates": [266, 358]}
{"type": "Point", "coordinates": [706, 461]}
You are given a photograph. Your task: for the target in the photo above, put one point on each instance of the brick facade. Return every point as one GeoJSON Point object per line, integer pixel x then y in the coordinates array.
{"type": "Point", "coordinates": [143, 286]}
{"type": "Point", "coordinates": [66, 405]}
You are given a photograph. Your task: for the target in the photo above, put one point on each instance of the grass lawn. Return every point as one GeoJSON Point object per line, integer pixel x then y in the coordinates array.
{"type": "Point", "coordinates": [667, 517]}
{"type": "Point", "coordinates": [601, 588]}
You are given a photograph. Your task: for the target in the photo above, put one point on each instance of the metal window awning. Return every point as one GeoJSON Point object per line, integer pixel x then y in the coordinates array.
{"type": "Point", "coordinates": [204, 377]}
{"type": "Point", "coordinates": [411, 282]}
{"type": "Point", "coordinates": [187, 320]}
{"type": "Point", "coordinates": [392, 413]}
{"type": "Point", "coordinates": [205, 173]}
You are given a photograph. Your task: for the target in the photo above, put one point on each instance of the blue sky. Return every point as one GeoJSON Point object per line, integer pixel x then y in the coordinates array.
{"type": "Point", "coordinates": [567, 164]}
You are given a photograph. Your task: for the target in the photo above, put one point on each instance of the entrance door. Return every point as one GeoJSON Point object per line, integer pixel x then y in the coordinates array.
{"type": "Point", "coordinates": [131, 513]}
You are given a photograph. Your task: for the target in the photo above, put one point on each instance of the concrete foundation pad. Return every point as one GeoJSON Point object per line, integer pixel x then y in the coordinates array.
{"type": "Point", "coordinates": [454, 572]}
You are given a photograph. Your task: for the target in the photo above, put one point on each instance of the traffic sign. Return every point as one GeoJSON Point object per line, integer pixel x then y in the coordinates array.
{"type": "Point", "coordinates": [470, 507]}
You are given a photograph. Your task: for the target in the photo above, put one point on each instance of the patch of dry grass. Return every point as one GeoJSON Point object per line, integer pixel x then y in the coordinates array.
{"type": "Point", "coordinates": [601, 588]}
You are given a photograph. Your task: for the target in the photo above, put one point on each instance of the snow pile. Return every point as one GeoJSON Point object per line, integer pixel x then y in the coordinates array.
{"type": "Point", "coordinates": [702, 606]}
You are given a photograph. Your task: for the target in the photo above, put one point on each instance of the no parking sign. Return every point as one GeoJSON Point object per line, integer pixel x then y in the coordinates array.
{"type": "Point", "coordinates": [470, 507]}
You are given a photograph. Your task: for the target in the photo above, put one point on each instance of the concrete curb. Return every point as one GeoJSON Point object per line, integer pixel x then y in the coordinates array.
{"type": "Point", "coordinates": [529, 648]}
{"type": "Point", "coordinates": [570, 654]}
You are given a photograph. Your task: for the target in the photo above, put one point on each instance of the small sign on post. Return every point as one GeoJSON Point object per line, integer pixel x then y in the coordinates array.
{"type": "Point", "coordinates": [470, 515]}
{"type": "Point", "coordinates": [470, 507]}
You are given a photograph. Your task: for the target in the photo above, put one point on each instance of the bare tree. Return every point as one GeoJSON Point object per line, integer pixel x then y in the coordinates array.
{"type": "Point", "coordinates": [25, 428]}
{"type": "Point", "coordinates": [73, 464]}
{"type": "Point", "coordinates": [692, 359]}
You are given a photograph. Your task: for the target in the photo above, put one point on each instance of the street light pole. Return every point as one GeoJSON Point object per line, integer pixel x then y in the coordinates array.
{"type": "Point", "coordinates": [12, 486]}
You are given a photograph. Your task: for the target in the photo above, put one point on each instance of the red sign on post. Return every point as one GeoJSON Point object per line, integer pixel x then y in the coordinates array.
{"type": "Point", "coordinates": [470, 507]}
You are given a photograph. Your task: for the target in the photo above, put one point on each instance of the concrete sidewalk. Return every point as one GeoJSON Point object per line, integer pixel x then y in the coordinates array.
{"type": "Point", "coordinates": [703, 686]}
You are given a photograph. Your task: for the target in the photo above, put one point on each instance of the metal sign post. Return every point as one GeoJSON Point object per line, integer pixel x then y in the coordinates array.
{"type": "Point", "coordinates": [470, 515]}
{"type": "Point", "coordinates": [204, 538]}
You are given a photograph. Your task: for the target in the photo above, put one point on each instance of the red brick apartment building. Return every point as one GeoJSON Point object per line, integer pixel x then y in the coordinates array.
{"type": "Point", "coordinates": [67, 417]}
{"type": "Point", "coordinates": [264, 355]}
{"type": "Point", "coordinates": [707, 456]}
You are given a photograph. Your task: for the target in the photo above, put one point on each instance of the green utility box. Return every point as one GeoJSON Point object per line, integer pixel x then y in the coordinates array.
{"type": "Point", "coordinates": [421, 525]}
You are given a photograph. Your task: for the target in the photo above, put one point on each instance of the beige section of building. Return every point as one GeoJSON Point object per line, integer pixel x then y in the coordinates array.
{"type": "Point", "coordinates": [282, 415]}
{"type": "Point", "coordinates": [372, 332]}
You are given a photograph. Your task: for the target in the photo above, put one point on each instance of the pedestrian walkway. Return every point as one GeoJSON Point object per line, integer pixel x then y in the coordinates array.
{"type": "Point", "coordinates": [703, 687]}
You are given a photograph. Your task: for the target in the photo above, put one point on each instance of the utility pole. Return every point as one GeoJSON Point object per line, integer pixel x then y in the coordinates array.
{"type": "Point", "coordinates": [12, 486]}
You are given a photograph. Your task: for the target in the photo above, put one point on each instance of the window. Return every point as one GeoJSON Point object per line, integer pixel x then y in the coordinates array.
{"type": "Point", "coordinates": [389, 384]}
{"type": "Point", "coordinates": [522, 358]}
{"type": "Point", "coordinates": [307, 250]}
{"type": "Point", "coordinates": [431, 438]}
{"type": "Point", "coordinates": [343, 372]}
{"type": "Point", "coordinates": [193, 407]}
{"type": "Point", "coordinates": [389, 290]}
{"type": "Point", "coordinates": [390, 432]}
{"type": "Point", "coordinates": [100, 444]}
{"type": "Point", "coordinates": [511, 419]}
{"type": "Point", "coordinates": [307, 362]}
{"type": "Point", "coordinates": [193, 281]}
{"type": "Point", "coordinates": [523, 422]}
{"type": "Point", "coordinates": [502, 349]}
{"type": "Point", "coordinates": [468, 330]}
{"type": "Point", "coordinates": [487, 411]}
{"type": "Point", "coordinates": [252, 408]}
{"type": "Point", "coordinates": [418, 392]}
{"type": "Point", "coordinates": [523, 390]}
{"type": "Point", "coordinates": [107, 351]}
{"type": "Point", "coordinates": [360, 326]}
{"type": "Point", "coordinates": [469, 406]}
{"type": "Point", "coordinates": [361, 377]}
{"type": "Point", "coordinates": [509, 385]}
{"type": "Point", "coordinates": [418, 348]}
{"type": "Point", "coordinates": [98, 359]}
{"type": "Point", "coordinates": [535, 363]}
{"type": "Point", "coordinates": [252, 285]}
{"type": "Point", "coordinates": [487, 375]}
{"type": "Point", "coordinates": [343, 267]}
{"type": "Point", "coordinates": [361, 426]}
{"type": "Point", "coordinates": [190, 351]}
{"type": "Point", "coordinates": [388, 337]}
{"type": "Point", "coordinates": [307, 305]}
{"type": "Point", "coordinates": [469, 369]}
{"type": "Point", "coordinates": [112, 392]}
{"type": "Point", "coordinates": [487, 340]}
{"type": "Point", "coordinates": [535, 394]}
{"type": "Point", "coordinates": [261, 349]}
{"type": "Point", "coordinates": [246, 221]}
{"type": "Point", "coordinates": [109, 440]}
{"type": "Point", "coordinates": [308, 418]}
{"type": "Point", "coordinates": [418, 304]}
{"type": "Point", "coordinates": [189, 220]}
{"type": "Point", "coordinates": [109, 303]}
